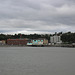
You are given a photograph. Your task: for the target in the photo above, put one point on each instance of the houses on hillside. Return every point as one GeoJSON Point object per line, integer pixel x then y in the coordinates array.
{"type": "Point", "coordinates": [54, 40]}
{"type": "Point", "coordinates": [40, 41]}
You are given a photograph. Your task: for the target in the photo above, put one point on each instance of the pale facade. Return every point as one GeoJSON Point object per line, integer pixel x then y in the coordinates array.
{"type": "Point", "coordinates": [55, 39]}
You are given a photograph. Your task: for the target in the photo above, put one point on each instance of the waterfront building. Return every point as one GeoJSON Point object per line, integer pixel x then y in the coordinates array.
{"type": "Point", "coordinates": [40, 41]}
{"type": "Point", "coordinates": [45, 42]}
{"type": "Point", "coordinates": [55, 39]}
{"type": "Point", "coordinates": [37, 42]}
{"type": "Point", "coordinates": [17, 41]}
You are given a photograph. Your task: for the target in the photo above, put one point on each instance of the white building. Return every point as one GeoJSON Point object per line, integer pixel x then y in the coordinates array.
{"type": "Point", "coordinates": [55, 39]}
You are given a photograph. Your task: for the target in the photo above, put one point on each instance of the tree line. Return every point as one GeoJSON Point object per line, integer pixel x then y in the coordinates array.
{"type": "Point", "coordinates": [21, 36]}
{"type": "Point", "coordinates": [67, 37]}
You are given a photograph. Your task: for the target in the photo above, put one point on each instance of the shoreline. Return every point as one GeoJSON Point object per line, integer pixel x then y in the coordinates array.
{"type": "Point", "coordinates": [65, 45]}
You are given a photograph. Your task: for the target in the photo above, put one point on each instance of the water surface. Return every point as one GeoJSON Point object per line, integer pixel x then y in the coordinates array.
{"type": "Point", "coordinates": [37, 61]}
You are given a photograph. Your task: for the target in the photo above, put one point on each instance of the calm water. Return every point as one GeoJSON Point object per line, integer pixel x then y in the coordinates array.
{"type": "Point", "coordinates": [37, 61]}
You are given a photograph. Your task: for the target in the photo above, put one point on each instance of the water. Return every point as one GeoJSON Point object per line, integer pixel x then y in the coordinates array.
{"type": "Point", "coordinates": [37, 61]}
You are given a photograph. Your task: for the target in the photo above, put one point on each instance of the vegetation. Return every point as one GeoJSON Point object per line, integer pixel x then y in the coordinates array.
{"type": "Point", "coordinates": [68, 37]}
{"type": "Point", "coordinates": [30, 36]}
{"type": "Point", "coordinates": [65, 37]}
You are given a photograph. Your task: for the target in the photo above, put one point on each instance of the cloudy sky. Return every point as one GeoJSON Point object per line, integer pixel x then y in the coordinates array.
{"type": "Point", "coordinates": [37, 16]}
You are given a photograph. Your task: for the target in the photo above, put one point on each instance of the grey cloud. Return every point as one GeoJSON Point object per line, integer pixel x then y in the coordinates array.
{"type": "Point", "coordinates": [37, 16]}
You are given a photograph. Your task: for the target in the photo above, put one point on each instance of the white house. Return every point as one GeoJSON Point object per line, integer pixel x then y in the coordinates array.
{"type": "Point", "coordinates": [55, 39]}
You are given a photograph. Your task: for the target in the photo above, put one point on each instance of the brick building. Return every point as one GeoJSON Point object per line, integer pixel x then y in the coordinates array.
{"type": "Point", "coordinates": [17, 41]}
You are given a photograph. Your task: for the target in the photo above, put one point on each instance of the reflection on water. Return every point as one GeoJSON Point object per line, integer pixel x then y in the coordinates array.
{"type": "Point", "coordinates": [37, 61]}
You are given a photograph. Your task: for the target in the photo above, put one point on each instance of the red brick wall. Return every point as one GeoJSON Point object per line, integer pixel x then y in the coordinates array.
{"type": "Point", "coordinates": [17, 42]}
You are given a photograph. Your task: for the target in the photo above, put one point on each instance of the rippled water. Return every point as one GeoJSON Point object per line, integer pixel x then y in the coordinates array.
{"type": "Point", "coordinates": [37, 61]}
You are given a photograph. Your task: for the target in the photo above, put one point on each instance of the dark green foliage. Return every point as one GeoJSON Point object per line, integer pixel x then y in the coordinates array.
{"type": "Point", "coordinates": [18, 36]}
{"type": "Point", "coordinates": [65, 37]}
{"type": "Point", "coordinates": [68, 37]}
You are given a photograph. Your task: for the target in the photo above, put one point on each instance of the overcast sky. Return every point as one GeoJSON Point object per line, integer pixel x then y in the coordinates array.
{"type": "Point", "coordinates": [37, 16]}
